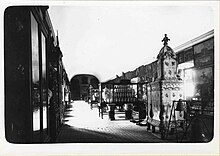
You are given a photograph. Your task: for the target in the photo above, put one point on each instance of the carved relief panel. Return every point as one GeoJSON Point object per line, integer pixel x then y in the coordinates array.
{"type": "Point", "coordinates": [170, 68]}
{"type": "Point", "coordinates": [171, 91]}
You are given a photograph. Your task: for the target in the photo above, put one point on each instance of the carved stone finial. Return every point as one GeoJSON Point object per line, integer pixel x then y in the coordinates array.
{"type": "Point", "coordinates": [165, 40]}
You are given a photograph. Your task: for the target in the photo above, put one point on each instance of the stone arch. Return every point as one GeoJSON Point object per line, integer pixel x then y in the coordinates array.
{"type": "Point", "coordinates": [79, 85]}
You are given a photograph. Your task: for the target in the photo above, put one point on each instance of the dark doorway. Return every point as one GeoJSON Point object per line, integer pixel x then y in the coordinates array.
{"type": "Point", "coordinates": [80, 86]}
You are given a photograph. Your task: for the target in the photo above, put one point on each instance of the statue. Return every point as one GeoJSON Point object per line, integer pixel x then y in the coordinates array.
{"type": "Point", "coordinates": [165, 40]}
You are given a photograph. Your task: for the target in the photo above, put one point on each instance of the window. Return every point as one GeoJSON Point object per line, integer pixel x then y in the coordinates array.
{"type": "Point", "coordinates": [39, 82]}
{"type": "Point", "coordinates": [35, 79]}
{"type": "Point", "coordinates": [44, 84]}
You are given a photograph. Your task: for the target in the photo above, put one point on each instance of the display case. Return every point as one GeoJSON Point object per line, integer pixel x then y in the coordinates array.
{"type": "Point", "coordinates": [121, 93]}
{"type": "Point", "coordinates": [123, 96]}
{"type": "Point", "coordinates": [203, 107]}
{"type": "Point", "coordinates": [93, 97]}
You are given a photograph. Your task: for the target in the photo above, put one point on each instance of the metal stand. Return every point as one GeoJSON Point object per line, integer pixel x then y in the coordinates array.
{"type": "Point", "coordinates": [175, 121]}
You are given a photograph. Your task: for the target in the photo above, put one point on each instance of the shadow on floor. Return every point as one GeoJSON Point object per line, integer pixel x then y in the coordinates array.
{"type": "Point", "coordinates": [82, 135]}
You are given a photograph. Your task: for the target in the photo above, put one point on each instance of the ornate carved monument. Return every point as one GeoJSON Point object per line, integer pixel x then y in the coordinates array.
{"type": "Point", "coordinates": [164, 90]}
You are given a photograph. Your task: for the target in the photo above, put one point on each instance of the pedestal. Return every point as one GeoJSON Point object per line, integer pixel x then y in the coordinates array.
{"type": "Point", "coordinates": [111, 111]}
{"type": "Point", "coordinates": [128, 110]}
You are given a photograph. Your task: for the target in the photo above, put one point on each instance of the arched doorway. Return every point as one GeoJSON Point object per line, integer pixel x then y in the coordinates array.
{"type": "Point", "coordinates": [80, 86]}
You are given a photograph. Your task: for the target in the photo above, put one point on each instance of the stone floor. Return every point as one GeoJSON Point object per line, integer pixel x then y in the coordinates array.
{"type": "Point", "coordinates": [83, 125]}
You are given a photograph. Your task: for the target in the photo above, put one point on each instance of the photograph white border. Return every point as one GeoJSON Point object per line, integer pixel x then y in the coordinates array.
{"type": "Point", "coordinates": [109, 148]}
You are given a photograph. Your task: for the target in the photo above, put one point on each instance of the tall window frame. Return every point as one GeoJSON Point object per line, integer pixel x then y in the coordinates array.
{"type": "Point", "coordinates": [35, 79]}
{"type": "Point", "coordinates": [39, 85]}
{"type": "Point", "coordinates": [44, 84]}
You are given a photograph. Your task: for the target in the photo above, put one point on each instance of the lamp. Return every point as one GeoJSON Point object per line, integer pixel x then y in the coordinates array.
{"type": "Point", "coordinates": [179, 107]}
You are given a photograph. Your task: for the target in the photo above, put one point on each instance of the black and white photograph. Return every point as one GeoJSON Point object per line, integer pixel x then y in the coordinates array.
{"type": "Point", "coordinates": [109, 77]}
